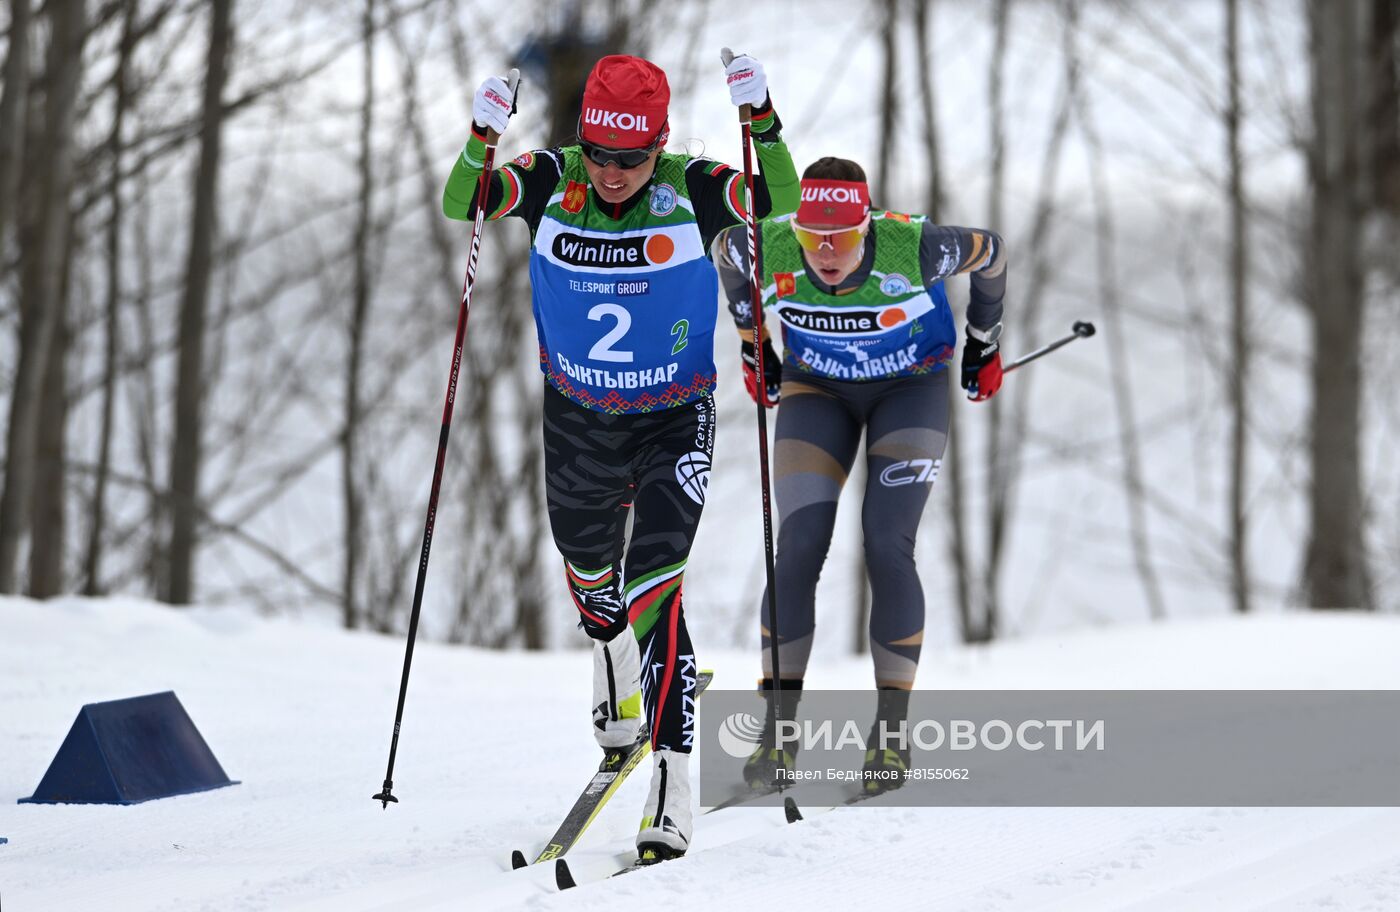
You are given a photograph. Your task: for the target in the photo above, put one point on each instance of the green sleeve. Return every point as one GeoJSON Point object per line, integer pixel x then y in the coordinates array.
{"type": "Point", "coordinates": [459, 196]}
{"type": "Point", "coordinates": [780, 175]}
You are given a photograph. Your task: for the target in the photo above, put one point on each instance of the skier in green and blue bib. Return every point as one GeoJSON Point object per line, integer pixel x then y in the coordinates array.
{"type": "Point", "coordinates": [624, 301]}
{"type": "Point", "coordinates": [867, 336]}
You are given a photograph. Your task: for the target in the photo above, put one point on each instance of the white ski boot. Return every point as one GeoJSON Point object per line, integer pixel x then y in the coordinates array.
{"type": "Point", "coordinates": [667, 821]}
{"type": "Point", "coordinates": [617, 690]}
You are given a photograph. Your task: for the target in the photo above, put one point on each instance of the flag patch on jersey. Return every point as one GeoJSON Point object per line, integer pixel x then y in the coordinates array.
{"type": "Point", "coordinates": [575, 195]}
{"type": "Point", "coordinates": [786, 282]}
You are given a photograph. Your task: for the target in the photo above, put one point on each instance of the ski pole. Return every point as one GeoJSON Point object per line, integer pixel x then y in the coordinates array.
{"type": "Point", "coordinates": [751, 227]}
{"type": "Point", "coordinates": [488, 163]}
{"type": "Point", "coordinates": [1082, 329]}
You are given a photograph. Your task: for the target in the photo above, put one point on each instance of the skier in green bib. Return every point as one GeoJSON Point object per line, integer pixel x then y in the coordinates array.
{"type": "Point", "coordinates": [624, 301]}
{"type": "Point", "coordinates": [867, 335]}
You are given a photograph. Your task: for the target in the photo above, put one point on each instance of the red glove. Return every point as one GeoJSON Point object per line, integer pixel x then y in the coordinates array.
{"type": "Point", "coordinates": [981, 369]}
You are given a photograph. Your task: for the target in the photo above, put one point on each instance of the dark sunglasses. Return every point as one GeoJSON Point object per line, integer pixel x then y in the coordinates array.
{"type": "Point", "coordinates": [626, 159]}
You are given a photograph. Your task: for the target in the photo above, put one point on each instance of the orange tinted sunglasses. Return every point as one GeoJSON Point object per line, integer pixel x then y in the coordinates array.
{"type": "Point", "coordinates": [842, 240]}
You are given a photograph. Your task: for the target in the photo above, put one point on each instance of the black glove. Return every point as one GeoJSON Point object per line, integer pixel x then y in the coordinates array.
{"type": "Point", "coordinates": [981, 368]}
{"type": "Point", "coordinates": [772, 372]}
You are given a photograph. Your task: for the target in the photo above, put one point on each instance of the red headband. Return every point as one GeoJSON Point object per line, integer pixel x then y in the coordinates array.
{"type": "Point", "coordinates": [833, 202]}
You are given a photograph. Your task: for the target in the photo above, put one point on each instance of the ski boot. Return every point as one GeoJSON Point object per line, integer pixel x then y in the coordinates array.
{"type": "Point", "coordinates": [768, 766]}
{"type": "Point", "coordinates": [617, 691]}
{"type": "Point", "coordinates": [887, 763]}
{"type": "Point", "coordinates": [667, 821]}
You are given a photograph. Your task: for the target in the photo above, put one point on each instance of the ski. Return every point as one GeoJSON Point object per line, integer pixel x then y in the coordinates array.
{"type": "Point", "coordinates": [564, 877]}
{"type": "Point", "coordinates": [612, 772]}
{"type": "Point", "coordinates": [790, 808]}
{"type": "Point", "coordinates": [789, 805]}
{"type": "Point", "coordinates": [794, 814]}
{"type": "Point", "coordinates": [741, 798]}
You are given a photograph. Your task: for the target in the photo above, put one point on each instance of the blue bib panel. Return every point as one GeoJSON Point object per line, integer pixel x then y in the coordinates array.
{"type": "Point", "coordinates": [625, 309]}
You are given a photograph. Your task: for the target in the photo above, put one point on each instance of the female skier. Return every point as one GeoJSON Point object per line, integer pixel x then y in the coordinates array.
{"type": "Point", "coordinates": [867, 333]}
{"type": "Point", "coordinates": [624, 301]}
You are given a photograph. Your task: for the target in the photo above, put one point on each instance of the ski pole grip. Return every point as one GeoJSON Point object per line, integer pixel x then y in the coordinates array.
{"type": "Point", "coordinates": [512, 80]}
{"type": "Point", "coordinates": [726, 57]}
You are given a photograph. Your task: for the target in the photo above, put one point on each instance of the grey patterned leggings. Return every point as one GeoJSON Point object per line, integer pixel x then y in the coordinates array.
{"type": "Point", "coordinates": [819, 428]}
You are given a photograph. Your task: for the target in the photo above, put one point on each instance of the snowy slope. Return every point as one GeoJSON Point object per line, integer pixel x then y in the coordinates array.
{"type": "Point", "coordinates": [302, 714]}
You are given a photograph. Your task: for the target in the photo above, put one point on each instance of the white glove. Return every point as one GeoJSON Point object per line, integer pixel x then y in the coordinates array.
{"type": "Point", "coordinates": [748, 85]}
{"type": "Point", "coordinates": [493, 104]}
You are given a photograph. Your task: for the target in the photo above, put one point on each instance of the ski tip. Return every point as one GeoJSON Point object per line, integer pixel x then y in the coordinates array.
{"type": "Point", "coordinates": [517, 860]}
{"type": "Point", "coordinates": [790, 810]}
{"type": "Point", "coordinates": [562, 877]}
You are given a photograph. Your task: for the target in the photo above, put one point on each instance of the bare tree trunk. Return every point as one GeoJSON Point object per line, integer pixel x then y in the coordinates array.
{"type": "Point", "coordinates": [933, 205]}
{"type": "Point", "coordinates": [996, 102]}
{"type": "Point", "coordinates": [186, 454]}
{"type": "Point", "coordinates": [354, 532]}
{"type": "Point", "coordinates": [1239, 317]}
{"type": "Point", "coordinates": [981, 625]}
{"type": "Point", "coordinates": [1024, 316]}
{"type": "Point", "coordinates": [524, 556]}
{"type": "Point", "coordinates": [1385, 109]}
{"type": "Point", "coordinates": [92, 565]}
{"type": "Point", "coordinates": [1116, 342]}
{"type": "Point", "coordinates": [13, 96]}
{"type": "Point", "coordinates": [889, 98]}
{"type": "Point", "coordinates": [530, 600]}
{"type": "Point", "coordinates": [143, 399]}
{"type": "Point", "coordinates": [1335, 573]}
{"type": "Point", "coordinates": [45, 258]}
{"type": "Point", "coordinates": [47, 526]}
{"type": "Point", "coordinates": [998, 513]}
{"type": "Point", "coordinates": [972, 629]}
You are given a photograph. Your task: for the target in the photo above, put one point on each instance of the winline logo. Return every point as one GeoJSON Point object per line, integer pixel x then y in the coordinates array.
{"type": "Point", "coordinates": [853, 321]}
{"type": "Point", "coordinates": [618, 253]}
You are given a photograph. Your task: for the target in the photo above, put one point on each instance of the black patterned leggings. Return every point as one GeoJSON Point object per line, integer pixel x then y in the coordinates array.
{"type": "Point", "coordinates": [594, 465]}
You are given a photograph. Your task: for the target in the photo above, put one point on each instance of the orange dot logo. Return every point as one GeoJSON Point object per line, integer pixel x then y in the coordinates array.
{"type": "Point", "coordinates": [892, 317]}
{"type": "Point", "coordinates": [659, 248]}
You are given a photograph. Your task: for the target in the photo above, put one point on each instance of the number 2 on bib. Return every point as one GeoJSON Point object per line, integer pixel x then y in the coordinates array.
{"type": "Point", "coordinates": [603, 350]}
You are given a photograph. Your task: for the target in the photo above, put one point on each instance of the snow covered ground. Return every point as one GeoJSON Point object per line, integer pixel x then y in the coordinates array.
{"type": "Point", "coordinates": [495, 746]}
